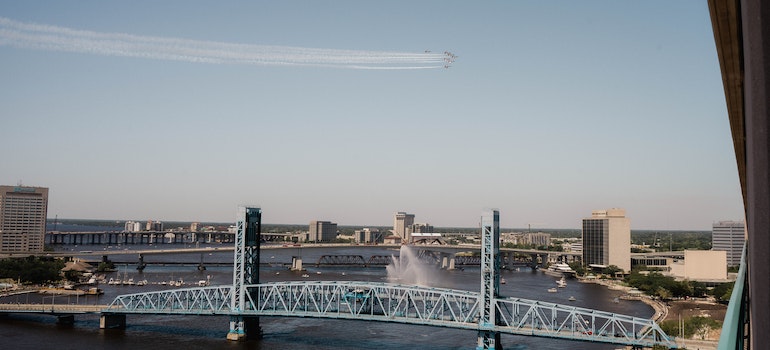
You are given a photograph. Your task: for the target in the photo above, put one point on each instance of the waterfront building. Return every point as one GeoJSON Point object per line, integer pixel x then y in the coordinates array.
{"type": "Point", "coordinates": [576, 247]}
{"type": "Point", "coordinates": [607, 239]}
{"type": "Point", "coordinates": [701, 265]}
{"type": "Point", "coordinates": [402, 224]}
{"type": "Point", "coordinates": [322, 231]}
{"type": "Point", "coordinates": [23, 213]}
{"type": "Point", "coordinates": [154, 226]}
{"type": "Point", "coordinates": [421, 228]}
{"type": "Point", "coordinates": [729, 236]}
{"type": "Point", "coordinates": [368, 235]}
{"type": "Point", "coordinates": [520, 238]}
{"type": "Point", "coordinates": [194, 226]}
{"type": "Point", "coordinates": [708, 266]}
{"type": "Point", "coordinates": [133, 226]}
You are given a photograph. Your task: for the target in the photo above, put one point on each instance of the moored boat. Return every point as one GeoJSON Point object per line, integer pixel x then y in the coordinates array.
{"type": "Point", "coordinates": [559, 270]}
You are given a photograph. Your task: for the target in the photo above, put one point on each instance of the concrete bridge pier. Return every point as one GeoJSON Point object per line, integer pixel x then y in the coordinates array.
{"type": "Point", "coordinates": [112, 321]}
{"type": "Point", "coordinates": [244, 328]}
{"type": "Point", "coordinates": [141, 265]}
{"type": "Point", "coordinates": [296, 263]}
{"type": "Point", "coordinates": [448, 261]}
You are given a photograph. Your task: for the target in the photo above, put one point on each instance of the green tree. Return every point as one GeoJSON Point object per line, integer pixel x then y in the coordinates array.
{"type": "Point", "coordinates": [31, 269]}
{"type": "Point", "coordinates": [578, 267]}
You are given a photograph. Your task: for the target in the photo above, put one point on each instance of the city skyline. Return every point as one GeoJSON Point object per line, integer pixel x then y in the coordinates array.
{"type": "Point", "coordinates": [549, 111]}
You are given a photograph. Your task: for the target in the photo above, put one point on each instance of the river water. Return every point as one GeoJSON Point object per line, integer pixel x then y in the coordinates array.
{"type": "Point", "coordinates": [208, 332]}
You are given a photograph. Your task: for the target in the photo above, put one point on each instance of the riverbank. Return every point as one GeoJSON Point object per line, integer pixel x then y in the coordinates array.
{"type": "Point", "coordinates": [661, 309]}
{"type": "Point", "coordinates": [674, 310]}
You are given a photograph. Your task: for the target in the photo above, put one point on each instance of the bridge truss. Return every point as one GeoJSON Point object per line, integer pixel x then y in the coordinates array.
{"type": "Point", "coordinates": [372, 301]}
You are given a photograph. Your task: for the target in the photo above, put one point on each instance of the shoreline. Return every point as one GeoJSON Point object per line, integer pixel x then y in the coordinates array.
{"type": "Point", "coordinates": [662, 310]}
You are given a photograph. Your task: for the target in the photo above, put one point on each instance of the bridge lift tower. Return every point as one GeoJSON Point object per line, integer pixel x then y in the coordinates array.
{"type": "Point", "coordinates": [490, 281]}
{"type": "Point", "coordinates": [245, 272]}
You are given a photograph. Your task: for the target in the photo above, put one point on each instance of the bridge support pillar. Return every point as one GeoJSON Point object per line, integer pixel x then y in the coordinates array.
{"type": "Point", "coordinates": [244, 328]}
{"type": "Point", "coordinates": [448, 261]}
{"type": "Point", "coordinates": [489, 340]}
{"type": "Point", "coordinates": [112, 321]}
{"type": "Point", "coordinates": [296, 263]}
{"type": "Point", "coordinates": [141, 265]}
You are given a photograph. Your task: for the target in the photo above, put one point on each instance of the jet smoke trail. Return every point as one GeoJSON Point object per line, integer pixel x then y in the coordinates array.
{"type": "Point", "coordinates": [54, 38]}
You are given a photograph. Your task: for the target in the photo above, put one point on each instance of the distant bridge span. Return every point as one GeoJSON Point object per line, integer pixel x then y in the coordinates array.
{"type": "Point", "coordinates": [384, 302]}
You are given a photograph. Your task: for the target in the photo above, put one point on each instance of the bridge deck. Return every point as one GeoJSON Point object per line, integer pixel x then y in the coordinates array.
{"type": "Point", "coordinates": [402, 304]}
{"type": "Point", "coordinates": [52, 308]}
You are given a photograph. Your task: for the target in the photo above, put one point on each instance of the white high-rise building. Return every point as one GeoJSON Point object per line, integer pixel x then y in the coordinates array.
{"type": "Point", "coordinates": [607, 239]}
{"type": "Point", "coordinates": [729, 236]}
{"type": "Point", "coordinates": [23, 213]}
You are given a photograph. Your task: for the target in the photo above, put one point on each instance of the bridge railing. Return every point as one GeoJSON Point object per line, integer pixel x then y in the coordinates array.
{"type": "Point", "coordinates": [530, 317]}
{"type": "Point", "coordinates": [194, 301]}
{"type": "Point", "coordinates": [733, 334]}
{"type": "Point", "coordinates": [369, 301]}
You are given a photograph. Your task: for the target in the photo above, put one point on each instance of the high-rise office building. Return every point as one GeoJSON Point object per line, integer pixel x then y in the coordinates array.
{"type": "Point", "coordinates": [322, 231]}
{"type": "Point", "coordinates": [607, 239]}
{"type": "Point", "coordinates": [23, 212]}
{"type": "Point", "coordinates": [729, 236]}
{"type": "Point", "coordinates": [402, 224]}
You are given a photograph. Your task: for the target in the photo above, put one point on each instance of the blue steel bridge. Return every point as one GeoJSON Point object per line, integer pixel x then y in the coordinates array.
{"type": "Point", "coordinates": [484, 311]}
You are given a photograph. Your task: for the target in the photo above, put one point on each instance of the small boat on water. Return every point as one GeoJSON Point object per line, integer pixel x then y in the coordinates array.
{"type": "Point", "coordinates": [552, 290]}
{"type": "Point", "coordinates": [561, 283]}
{"type": "Point", "coordinates": [94, 291]}
{"type": "Point", "coordinates": [572, 298]}
{"type": "Point", "coordinates": [502, 281]}
{"type": "Point", "coordinates": [304, 275]}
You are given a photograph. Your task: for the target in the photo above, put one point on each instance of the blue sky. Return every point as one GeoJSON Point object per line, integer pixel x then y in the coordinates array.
{"type": "Point", "coordinates": [551, 110]}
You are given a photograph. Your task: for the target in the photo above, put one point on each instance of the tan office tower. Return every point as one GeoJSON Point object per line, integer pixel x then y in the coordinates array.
{"type": "Point", "coordinates": [402, 226]}
{"type": "Point", "coordinates": [607, 239]}
{"type": "Point", "coordinates": [23, 211]}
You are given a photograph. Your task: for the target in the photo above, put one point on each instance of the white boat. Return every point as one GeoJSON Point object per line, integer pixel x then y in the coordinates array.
{"type": "Point", "coordinates": [305, 275]}
{"type": "Point", "coordinates": [559, 270]}
{"type": "Point", "coordinates": [552, 290]}
{"type": "Point", "coordinates": [561, 283]}
{"type": "Point", "coordinates": [572, 299]}
{"type": "Point", "coordinates": [502, 280]}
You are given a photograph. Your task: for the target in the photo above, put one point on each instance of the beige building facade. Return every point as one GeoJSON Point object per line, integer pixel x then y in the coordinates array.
{"type": "Point", "coordinates": [701, 265]}
{"type": "Point", "coordinates": [402, 225]}
{"type": "Point", "coordinates": [23, 213]}
{"type": "Point", "coordinates": [607, 239]}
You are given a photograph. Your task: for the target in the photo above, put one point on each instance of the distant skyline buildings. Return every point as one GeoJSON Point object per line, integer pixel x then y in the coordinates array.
{"type": "Point", "coordinates": [402, 223]}
{"type": "Point", "coordinates": [138, 226]}
{"type": "Point", "coordinates": [729, 236]}
{"type": "Point", "coordinates": [322, 231]}
{"type": "Point", "coordinates": [607, 239]}
{"type": "Point", "coordinates": [23, 214]}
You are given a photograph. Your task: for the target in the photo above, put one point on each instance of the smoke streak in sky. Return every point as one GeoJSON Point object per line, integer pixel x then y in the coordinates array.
{"type": "Point", "coordinates": [54, 38]}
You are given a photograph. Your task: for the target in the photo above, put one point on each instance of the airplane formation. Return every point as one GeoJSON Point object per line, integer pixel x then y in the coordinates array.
{"type": "Point", "coordinates": [449, 58]}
